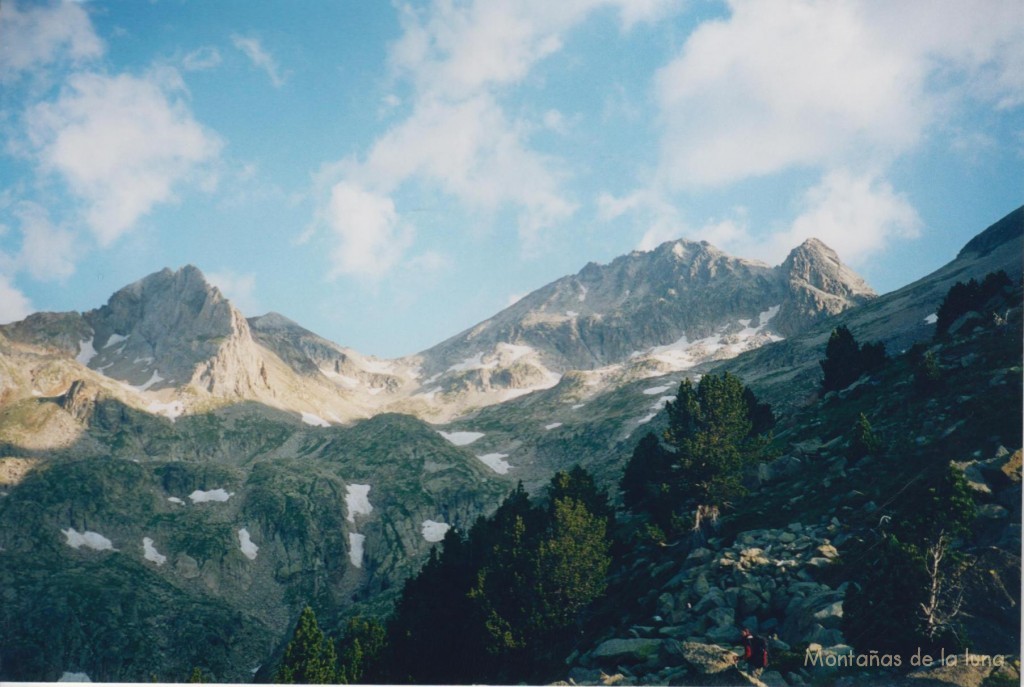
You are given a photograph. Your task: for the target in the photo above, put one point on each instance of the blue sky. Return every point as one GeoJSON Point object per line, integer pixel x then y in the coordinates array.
{"type": "Point", "coordinates": [390, 174]}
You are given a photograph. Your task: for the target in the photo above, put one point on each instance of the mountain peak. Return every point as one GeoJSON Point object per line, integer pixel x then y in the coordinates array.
{"type": "Point", "coordinates": [819, 284]}
{"type": "Point", "coordinates": [167, 329]}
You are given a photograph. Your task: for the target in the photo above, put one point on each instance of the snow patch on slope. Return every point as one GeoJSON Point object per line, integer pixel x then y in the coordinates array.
{"type": "Point", "coordinates": [496, 462]}
{"type": "Point", "coordinates": [461, 438]}
{"type": "Point", "coordinates": [90, 540]}
{"type": "Point", "coordinates": [357, 500]}
{"type": "Point", "coordinates": [655, 409]}
{"type": "Point", "coordinates": [314, 420]}
{"type": "Point", "coordinates": [150, 553]}
{"type": "Point", "coordinates": [434, 531]}
{"type": "Point", "coordinates": [200, 496]}
{"type": "Point", "coordinates": [355, 548]}
{"type": "Point", "coordinates": [86, 351]}
{"type": "Point", "coordinates": [172, 410]}
{"type": "Point", "coordinates": [246, 544]}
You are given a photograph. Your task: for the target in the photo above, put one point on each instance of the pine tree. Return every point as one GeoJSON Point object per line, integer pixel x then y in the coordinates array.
{"type": "Point", "coordinates": [864, 442]}
{"type": "Point", "coordinates": [845, 360]}
{"type": "Point", "coordinates": [310, 657]}
{"type": "Point", "coordinates": [362, 646]}
{"type": "Point", "coordinates": [711, 432]}
{"type": "Point", "coordinates": [841, 366]}
{"type": "Point", "coordinates": [507, 597]}
{"type": "Point", "coordinates": [646, 481]}
{"type": "Point", "coordinates": [572, 562]}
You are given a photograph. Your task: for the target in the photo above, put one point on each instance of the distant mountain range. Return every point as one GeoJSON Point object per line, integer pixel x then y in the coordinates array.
{"type": "Point", "coordinates": [207, 474]}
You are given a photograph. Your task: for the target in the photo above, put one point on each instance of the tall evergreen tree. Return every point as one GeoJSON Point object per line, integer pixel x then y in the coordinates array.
{"type": "Point", "coordinates": [362, 646]}
{"type": "Point", "coordinates": [711, 432]}
{"type": "Point", "coordinates": [715, 432]}
{"type": "Point", "coordinates": [310, 657]}
{"type": "Point", "coordinates": [841, 366]}
{"type": "Point", "coordinates": [846, 360]}
{"type": "Point", "coordinates": [506, 599]}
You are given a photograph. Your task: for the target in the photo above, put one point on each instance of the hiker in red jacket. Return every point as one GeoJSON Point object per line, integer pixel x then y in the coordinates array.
{"type": "Point", "coordinates": [755, 652]}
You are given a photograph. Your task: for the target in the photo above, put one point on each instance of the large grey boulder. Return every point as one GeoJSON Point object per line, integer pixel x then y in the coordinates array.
{"type": "Point", "coordinates": [713, 665]}
{"type": "Point", "coordinates": [633, 650]}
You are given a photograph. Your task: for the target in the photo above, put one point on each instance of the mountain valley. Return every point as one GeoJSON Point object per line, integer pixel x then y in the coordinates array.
{"type": "Point", "coordinates": [177, 481]}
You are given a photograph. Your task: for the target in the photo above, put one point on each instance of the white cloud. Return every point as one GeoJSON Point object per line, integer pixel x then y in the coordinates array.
{"type": "Point", "coordinates": [201, 59]}
{"type": "Point", "coordinates": [260, 58]}
{"type": "Point", "coordinates": [14, 305]}
{"type": "Point", "coordinates": [371, 238]}
{"type": "Point", "coordinates": [457, 49]}
{"type": "Point", "coordinates": [38, 36]}
{"type": "Point", "coordinates": [122, 143]}
{"type": "Point", "coordinates": [459, 137]}
{"type": "Point", "coordinates": [474, 153]}
{"type": "Point", "coordinates": [856, 216]}
{"type": "Point", "coordinates": [781, 84]}
{"type": "Point", "coordinates": [240, 289]}
{"type": "Point", "coordinates": [47, 251]}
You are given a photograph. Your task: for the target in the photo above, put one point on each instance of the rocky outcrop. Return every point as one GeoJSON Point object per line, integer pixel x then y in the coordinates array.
{"type": "Point", "coordinates": [767, 580]}
{"type": "Point", "coordinates": [79, 401]}
{"type": "Point", "coordinates": [171, 329]}
{"type": "Point", "coordinates": [819, 285]}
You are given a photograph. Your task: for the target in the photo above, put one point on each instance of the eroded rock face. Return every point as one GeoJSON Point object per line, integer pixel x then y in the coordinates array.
{"type": "Point", "coordinates": [606, 313]}
{"type": "Point", "coordinates": [172, 328]}
{"type": "Point", "coordinates": [79, 400]}
{"type": "Point", "coordinates": [818, 285]}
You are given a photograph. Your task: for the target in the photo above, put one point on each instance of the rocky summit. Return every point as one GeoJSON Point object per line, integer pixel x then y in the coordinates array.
{"type": "Point", "coordinates": [177, 481]}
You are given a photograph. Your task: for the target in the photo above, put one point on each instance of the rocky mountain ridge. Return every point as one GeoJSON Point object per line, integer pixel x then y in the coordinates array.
{"type": "Point", "coordinates": [173, 344]}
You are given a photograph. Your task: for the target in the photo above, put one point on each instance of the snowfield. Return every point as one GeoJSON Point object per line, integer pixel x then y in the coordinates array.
{"type": "Point", "coordinates": [86, 351]}
{"type": "Point", "coordinates": [462, 438]}
{"type": "Point", "coordinates": [90, 540]}
{"type": "Point", "coordinates": [199, 496]}
{"type": "Point", "coordinates": [150, 553]}
{"type": "Point", "coordinates": [114, 340]}
{"type": "Point", "coordinates": [357, 501]}
{"type": "Point", "coordinates": [314, 420]}
{"type": "Point", "coordinates": [172, 411]}
{"type": "Point", "coordinates": [355, 548]}
{"type": "Point", "coordinates": [246, 544]}
{"type": "Point", "coordinates": [434, 531]}
{"type": "Point", "coordinates": [655, 409]}
{"type": "Point", "coordinates": [496, 462]}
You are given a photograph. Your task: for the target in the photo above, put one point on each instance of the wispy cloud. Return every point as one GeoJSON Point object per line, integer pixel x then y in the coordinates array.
{"type": "Point", "coordinates": [202, 59]}
{"type": "Point", "coordinates": [48, 252]}
{"type": "Point", "coordinates": [260, 58]}
{"type": "Point", "coordinates": [460, 135]}
{"type": "Point", "coordinates": [38, 36]}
